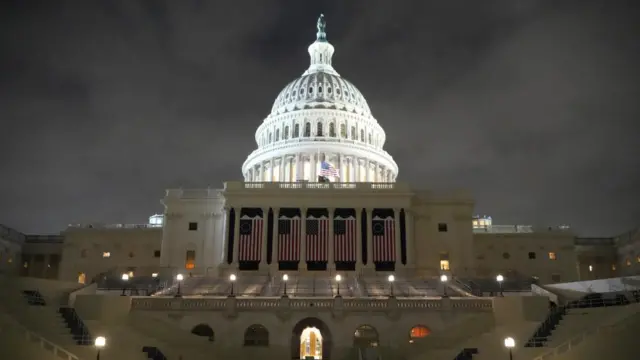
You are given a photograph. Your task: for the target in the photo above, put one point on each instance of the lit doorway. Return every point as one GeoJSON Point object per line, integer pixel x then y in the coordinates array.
{"type": "Point", "coordinates": [311, 344]}
{"type": "Point", "coordinates": [82, 278]}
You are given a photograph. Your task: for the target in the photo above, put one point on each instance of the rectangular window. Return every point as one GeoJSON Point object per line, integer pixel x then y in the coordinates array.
{"type": "Point", "coordinates": [552, 256]}
{"type": "Point", "coordinates": [532, 255]}
{"type": "Point", "coordinates": [442, 227]}
{"type": "Point", "coordinates": [444, 265]}
{"type": "Point", "coordinates": [193, 226]}
{"type": "Point", "coordinates": [190, 261]}
{"type": "Point", "coordinates": [106, 254]}
{"type": "Point", "coordinates": [156, 254]}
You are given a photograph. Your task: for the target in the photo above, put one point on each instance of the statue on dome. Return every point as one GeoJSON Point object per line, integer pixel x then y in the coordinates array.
{"type": "Point", "coordinates": [322, 26]}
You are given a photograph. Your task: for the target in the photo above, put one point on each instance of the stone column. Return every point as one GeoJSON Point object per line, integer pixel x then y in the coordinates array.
{"type": "Point", "coordinates": [283, 162]}
{"type": "Point", "coordinates": [367, 174]}
{"type": "Point", "coordinates": [358, 239]}
{"type": "Point", "coordinates": [357, 163]}
{"type": "Point", "coordinates": [236, 236]}
{"type": "Point", "coordinates": [303, 239]}
{"type": "Point", "coordinates": [274, 245]}
{"type": "Point", "coordinates": [370, 238]}
{"type": "Point", "coordinates": [265, 228]}
{"type": "Point", "coordinates": [272, 168]}
{"type": "Point", "coordinates": [397, 242]}
{"type": "Point", "coordinates": [330, 254]}
{"type": "Point", "coordinates": [291, 175]}
{"type": "Point", "coordinates": [314, 168]}
{"type": "Point", "coordinates": [261, 171]}
{"type": "Point", "coordinates": [408, 220]}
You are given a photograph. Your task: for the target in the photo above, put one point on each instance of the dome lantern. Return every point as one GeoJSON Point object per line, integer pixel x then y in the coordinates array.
{"type": "Point", "coordinates": [321, 51]}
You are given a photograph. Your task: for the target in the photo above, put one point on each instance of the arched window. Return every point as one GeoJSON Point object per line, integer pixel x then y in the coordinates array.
{"type": "Point", "coordinates": [419, 332]}
{"type": "Point", "coordinates": [354, 134]}
{"type": "Point", "coordinates": [369, 139]}
{"type": "Point", "coordinates": [270, 137]}
{"type": "Point", "coordinates": [343, 131]}
{"type": "Point", "coordinates": [319, 129]}
{"type": "Point", "coordinates": [277, 134]}
{"type": "Point", "coordinates": [332, 130]}
{"type": "Point", "coordinates": [307, 129]}
{"type": "Point", "coordinates": [362, 135]}
{"type": "Point", "coordinates": [203, 330]}
{"type": "Point", "coordinates": [296, 131]}
{"type": "Point", "coordinates": [256, 335]}
{"type": "Point", "coordinates": [285, 136]}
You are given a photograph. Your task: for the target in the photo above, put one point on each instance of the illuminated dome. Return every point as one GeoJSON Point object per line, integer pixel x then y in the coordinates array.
{"type": "Point", "coordinates": [320, 120]}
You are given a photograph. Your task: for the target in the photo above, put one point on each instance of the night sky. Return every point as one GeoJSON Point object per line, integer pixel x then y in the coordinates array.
{"type": "Point", "coordinates": [531, 104]}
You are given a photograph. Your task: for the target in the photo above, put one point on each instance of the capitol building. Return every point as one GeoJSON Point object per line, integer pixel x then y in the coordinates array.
{"type": "Point", "coordinates": [318, 253]}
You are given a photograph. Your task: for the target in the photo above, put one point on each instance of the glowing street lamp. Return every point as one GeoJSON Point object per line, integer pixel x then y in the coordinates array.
{"type": "Point", "coordinates": [179, 277]}
{"type": "Point", "coordinates": [338, 279]}
{"type": "Point", "coordinates": [510, 343]}
{"type": "Point", "coordinates": [500, 279]}
{"type": "Point", "coordinates": [285, 278]}
{"type": "Point", "coordinates": [443, 279]}
{"type": "Point", "coordinates": [232, 278]}
{"type": "Point", "coordinates": [99, 343]}
{"type": "Point", "coordinates": [391, 279]}
{"type": "Point", "coordinates": [125, 278]}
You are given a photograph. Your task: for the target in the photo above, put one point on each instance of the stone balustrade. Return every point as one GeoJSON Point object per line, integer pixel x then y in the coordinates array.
{"type": "Point", "coordinates": [305, 304]}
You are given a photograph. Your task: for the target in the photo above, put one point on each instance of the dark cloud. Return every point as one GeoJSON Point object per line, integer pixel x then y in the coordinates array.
{"type": "Point", "coordinates": [529, 103]}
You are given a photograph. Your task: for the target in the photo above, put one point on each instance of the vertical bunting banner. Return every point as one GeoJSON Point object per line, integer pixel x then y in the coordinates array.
{"type": "Point", "coordinates": [250, 245]}
{"type": "Point", "coordinates": [384, 238]}
{"type": "Point", "coordinates": [317, 239]}
{"type": "Point", "coordinates": [289, 238]}
{"type": "Point", "coordinates": [344, 239]}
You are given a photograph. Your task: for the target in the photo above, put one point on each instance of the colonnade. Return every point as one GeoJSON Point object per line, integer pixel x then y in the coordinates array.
{"type": "Point", "coordinates": [306, 166]}
{"type": "Point", "coordinates": [409, 237]}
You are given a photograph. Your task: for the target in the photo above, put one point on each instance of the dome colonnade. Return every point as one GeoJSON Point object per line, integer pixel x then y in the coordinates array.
{"type": "Point", "coordinates": [320, 117]}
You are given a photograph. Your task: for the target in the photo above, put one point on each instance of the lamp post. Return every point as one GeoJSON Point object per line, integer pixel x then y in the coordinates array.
{"type": "Point", "coordinates": [125, 278]}
{"type": "Point", "coordinates": [510, 343]}
{"type": "Point", "coordinates": [500, 279]}
{"type": "Point", "coordinates": [338, 279]}
{"type": "Point", "coordinates": [232, 279]}
{"type": "Point", "coordinates": [99, 343]}
{"type": "Point", "coordinates": [179, 277]}
{"type": "Point", "coordinates": [285, 278]}
{"type": "Point", "coordinates": [443, 279]}
{"type": "Point", "coordinates": [391, 279]}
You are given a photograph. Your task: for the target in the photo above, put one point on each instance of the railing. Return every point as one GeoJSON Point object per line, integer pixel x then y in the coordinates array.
{"type": "Point", "coordinates": [34, 338]}
{"type": "Point", "coordinates": [579, 339]}
{"type": "Point", "coordinates": [115, 226]}
{"type": "Point", "coordinates": [352, 304]}
{"type": "Point", "coordinates": [12, 235]}
{"type": "Point", "coordinates": [238, 185]}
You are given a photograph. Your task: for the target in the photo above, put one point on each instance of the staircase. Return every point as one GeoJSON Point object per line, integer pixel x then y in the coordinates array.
{"type": "Point", "coordinates": [74, 324]}
{"type": "Point", "coordinates": [543, 332]}
{"type": "Point", "coordinates": [153, 353]}
{"type": "Point", "coordinates": [466, 354]}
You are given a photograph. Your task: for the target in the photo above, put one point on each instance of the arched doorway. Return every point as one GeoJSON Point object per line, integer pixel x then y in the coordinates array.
{"type": "Point", "coordinates": [203, 330]}
{"type": "Point", "coordinates": [311, 338]}
{"type": "Point", "coordinates": [418, 332]}
{"type": "Point", "coordinates": [365, 336]}
{"type": "Point", "coordinates": [82, 278]}
{"type": "Point", "coordinates": [256, 335]}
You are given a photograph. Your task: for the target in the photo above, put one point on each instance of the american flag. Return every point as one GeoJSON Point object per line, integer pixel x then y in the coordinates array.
{"type": "Point", "coordinates": [317, 239]}
{"type": "Point", "coordinates": [250, 245]}
{"type": "Point", "coordinates": [384, 239]}
{"type": "Point", "coordinates": [289, 239]}
{"type": "Point", "coordinates": [327, 169]}
{"type": "Point", "coordinates": [344, 239]}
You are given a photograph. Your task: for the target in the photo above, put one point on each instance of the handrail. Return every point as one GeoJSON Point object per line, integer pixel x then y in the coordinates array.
{"type": "Point", "coordinates": [579, 339]}
{"type": "Point", "coordinates": [45, 344]}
